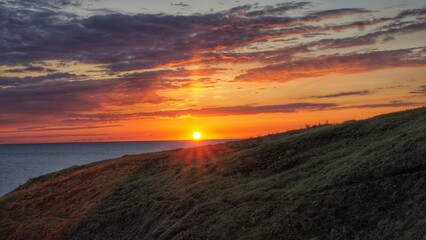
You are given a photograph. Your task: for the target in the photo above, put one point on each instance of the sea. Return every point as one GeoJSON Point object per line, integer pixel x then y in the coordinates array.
{"type": "Point", "coordinates": [20, 162]}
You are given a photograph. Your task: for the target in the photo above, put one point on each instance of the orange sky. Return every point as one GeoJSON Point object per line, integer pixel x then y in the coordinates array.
{"type": "Point", "coordinates": [244, 71]}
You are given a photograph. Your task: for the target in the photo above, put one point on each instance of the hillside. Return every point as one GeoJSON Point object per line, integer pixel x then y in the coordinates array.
{"type": "Point", "coordinates": [357, 180]}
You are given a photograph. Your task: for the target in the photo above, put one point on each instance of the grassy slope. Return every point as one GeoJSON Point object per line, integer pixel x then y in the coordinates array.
{"type": "Point", "coordinates": [358, 180]}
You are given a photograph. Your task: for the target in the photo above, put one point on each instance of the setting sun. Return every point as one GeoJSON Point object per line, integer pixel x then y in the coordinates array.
{"type": "Point", "coordinates": [196, 135]}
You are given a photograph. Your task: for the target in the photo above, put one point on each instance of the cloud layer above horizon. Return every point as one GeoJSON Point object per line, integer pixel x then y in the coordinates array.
{"type": "Point", "coordinates": [66, 64]}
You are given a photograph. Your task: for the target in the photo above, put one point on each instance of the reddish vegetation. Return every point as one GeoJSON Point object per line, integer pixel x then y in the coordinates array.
{"type": "Point", "coordinates": [52, 208]}
{"type": "Point", "coordinates": [199, 156]}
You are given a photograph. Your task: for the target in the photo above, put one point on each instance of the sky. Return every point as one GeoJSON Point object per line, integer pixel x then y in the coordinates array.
{"type": "Point", "coordinates": [103, 70]}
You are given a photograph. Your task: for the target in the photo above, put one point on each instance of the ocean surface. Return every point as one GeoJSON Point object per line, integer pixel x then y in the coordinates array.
{"type": "Point", "coordinates": [20, 162]}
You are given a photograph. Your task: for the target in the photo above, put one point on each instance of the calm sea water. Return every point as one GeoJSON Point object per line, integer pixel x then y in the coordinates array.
{"type": "Point", "coordinates": [20, 162]}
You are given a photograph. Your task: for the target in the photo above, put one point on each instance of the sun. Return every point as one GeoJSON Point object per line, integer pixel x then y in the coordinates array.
{"type": "Point", "coordinates": [196, 135]}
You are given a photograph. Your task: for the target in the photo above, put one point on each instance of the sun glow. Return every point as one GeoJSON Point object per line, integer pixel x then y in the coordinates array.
{"type": "Point", "coordinates": [196, 135]}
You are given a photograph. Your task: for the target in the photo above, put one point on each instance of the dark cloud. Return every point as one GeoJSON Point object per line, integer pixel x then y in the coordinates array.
{"type": "Point", "coordinates": [118, 41]}
{"type": "Point", "coordinates": [277, 9]}
{"type": "Point", "coordinates": [421, 90]}
{"type": "Point", "coordinates": [128, 42]}
{"type": "Point", "coordinates": [53, 99]}
{"type": "Point", "coordinates": [344, 94]}
{"type": "Point", "coordinates": [57, 98]}
{"type": "Point", "coordinates": [389, 104]}
{"type": "Point", "coordinates": [324, 65]}
{"type": "Point", "coordinates": [420, 12]}
{"type": "Point", "coordinates": [123, 42]}
{"type": "Point", "coordinates": [29, 80]}
{"type": "Point", "coordinates": [373, 38]}
{"type": "Point", "coordinates": [54, 4]}
{"type": "Point", "coordinates": [60, 94]}
{"type": "Point", "coordinates": [180, 4]}
{"type": "Point", "coordinates": [334, 13]}
{"type": "Point", "coordinates": [241, 9]}
{"type": "Point", "coordinates": [388, 39]}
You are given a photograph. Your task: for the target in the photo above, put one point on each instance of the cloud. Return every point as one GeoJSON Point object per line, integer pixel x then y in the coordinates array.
{"type": "Point", "coordinates": [54, 4]}
{"type": "Point", "coordinates": [241, 110]}
{"type": "Point", "coordinates": [180, 4]}
{"type": "Point", "coordinates": [53, 98]}
{"type": "Point", "coordinates": [344, 94]}
{"type": "Point", "coordinates": [420, 12]}
{"type": "Point", "coordinates": [158, 48]}
{"type": "Point", "coordinates": [278, 9]}
{"type": "Point", "coordinates": [60, 94]}
{"type": "Point", "coordinates": [29, 80]}
{"type": "Point", "coordinates": [324, 65]}
{"type": "Point", "coordinates": [389, 104]}
{"type": "Point", "coordinates": [421, 90]}
{"type": "Point", "coordinates": [44, 129]}
{"type": "Point", "coordinates": [334, 13]}
{"type": "Point", "coordinates": [57, 98]}
{"type": "Point", "coordinates": [53, 136]}
{"type": "Point", "coordinates": [373, 37]}
{"type": "Point", "coordinates": [123, 42]}
{"type": "Point", "coordinates": [205, 112]}
{"type": "Point", "coordinates": [29, 69]}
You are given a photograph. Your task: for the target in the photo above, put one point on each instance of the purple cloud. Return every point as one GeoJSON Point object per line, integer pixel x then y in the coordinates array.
{"type": "Point", "coordinates": [349, 63]}
{"type": "Point", "coordinates": [344, 94]}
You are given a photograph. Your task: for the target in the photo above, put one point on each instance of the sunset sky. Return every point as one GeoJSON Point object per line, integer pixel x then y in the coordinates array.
{"type": "Point", "coordinates": [130, 70]}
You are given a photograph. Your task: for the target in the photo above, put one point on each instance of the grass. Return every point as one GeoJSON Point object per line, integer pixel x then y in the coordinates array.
{"type": "Point", "coordinates": [357, 180]}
